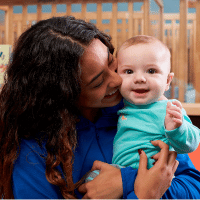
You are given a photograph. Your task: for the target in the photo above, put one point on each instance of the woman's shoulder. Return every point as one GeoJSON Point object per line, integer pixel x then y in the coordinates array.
{"type": "Point", "coordinates": [29, 173]}
{"type": "Point", "coordinates": [30, 154]}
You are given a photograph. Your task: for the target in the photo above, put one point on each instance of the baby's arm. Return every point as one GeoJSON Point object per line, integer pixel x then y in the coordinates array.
{"type": "Point", "coordinates": [183, 136]}
{"type": "Point", "coordinates": [173, 118]}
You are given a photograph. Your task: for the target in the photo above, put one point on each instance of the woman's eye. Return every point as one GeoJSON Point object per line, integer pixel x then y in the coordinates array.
{"type": "Point", "coordinates": [151, 71]}
{"type": "Point", "coordinates": [128, 71]}
{"type": "Point", "coordinates": [96, 86]}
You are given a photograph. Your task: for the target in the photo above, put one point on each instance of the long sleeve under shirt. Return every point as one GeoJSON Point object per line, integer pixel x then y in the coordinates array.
{"type": "Point", "coordinates": [139, 124]}
{"type": "Point", "coordinates": [95, 142]}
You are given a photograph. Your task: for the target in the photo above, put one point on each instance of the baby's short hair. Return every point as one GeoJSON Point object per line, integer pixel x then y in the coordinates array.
{"type": "Point", "coordinates": [141, 39]}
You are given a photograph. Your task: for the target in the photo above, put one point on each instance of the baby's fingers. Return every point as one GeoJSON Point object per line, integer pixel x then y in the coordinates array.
{"type": "Point", "coordinates": [178, 104]}
{"type": "Point", "coordinates": [175, 114]}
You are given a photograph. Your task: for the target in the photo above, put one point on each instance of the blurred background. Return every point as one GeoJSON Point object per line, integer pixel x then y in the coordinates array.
{"type": "Point", "coordinates": [175, 22]}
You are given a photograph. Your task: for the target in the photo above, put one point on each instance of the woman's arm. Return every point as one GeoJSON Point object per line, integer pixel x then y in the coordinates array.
{"type": "Point", "coordinates": [186, 184]}
{"type": "Point", "coordinates": [148, 184]}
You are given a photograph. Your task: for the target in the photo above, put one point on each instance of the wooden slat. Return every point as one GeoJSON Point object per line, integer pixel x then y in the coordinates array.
{"type": "Point", "coordinates": [68, 8]}
{"type": "Point", "coordinates": [136, 27]}
{"type": "Point", "coordinates": [24, 18]}
{"type": "Point", "coordinates": [197, 56]}
{"type": "Point", "coordinates": [33, 2]}
{"type": "Point", "coordinates": [53, 13]}
{"type": "Point", "coordinates": [114, 25]}
{"type": "Point", "coordinates": [161, 24]}
{"type": "Point", "coordinates": [9, 26]}
{"type": "Point", "coordinates": [39, 11]}
{"type": "Point", "coordinates": [192, 108]}
{"type": "Point", "coordinates": [4, 8]}
{"type": "Point", "coordinates": [19, 29]}
{"type": "Point", "coordinates": [124, 33]}
{"type": "Point", "coordinates": [146, 16]}
{"type": "Point", "coordinates": [99, 15]}
{"type": "Point", "coordinates": [173, 58]}
{"type": "Point", "coordinates": [183, 50]}
{"type": "Point", "coordinates": [130, 19]}
{"type": "Point", "coordinates": [84, 11]}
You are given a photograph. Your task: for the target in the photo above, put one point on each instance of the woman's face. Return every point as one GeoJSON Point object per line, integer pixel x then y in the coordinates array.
{"type": "Point", "coordinates": [100, 82]}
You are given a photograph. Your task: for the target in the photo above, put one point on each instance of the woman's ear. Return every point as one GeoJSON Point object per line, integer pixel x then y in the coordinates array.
{"type": "Point", "coordinates": [169, 80]}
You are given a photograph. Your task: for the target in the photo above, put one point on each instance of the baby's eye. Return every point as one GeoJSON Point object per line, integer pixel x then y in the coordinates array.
{"type": "Point", "coordinates": [128, 71]}
{"type": "Point", "coordinates": [151, 71]}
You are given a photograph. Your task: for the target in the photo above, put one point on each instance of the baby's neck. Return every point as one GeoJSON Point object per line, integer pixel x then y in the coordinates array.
{"type": "Point", "coordinates": [162, 98]}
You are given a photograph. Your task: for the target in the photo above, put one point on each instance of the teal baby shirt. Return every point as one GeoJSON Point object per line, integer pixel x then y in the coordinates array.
{"type": "Point", "coordinates": [139, 124]}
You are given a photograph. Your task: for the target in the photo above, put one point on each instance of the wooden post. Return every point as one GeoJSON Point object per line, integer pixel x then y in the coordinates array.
{"type": "Point", "coordinates": [84, 10]}
{"type": "Point", "coordinates": [136, 27]}
{"type": "Point", "coordinates": [39, 11]}
{"type": "Point", "coordinates": [130, 19]}
{"type": "Point", "coordinates": [19, 29]}
{"type": "Point", "coordinates": [114, 24]}
{"type": "Point", "coordinates": [183, 50]}
{"type": "Point", "coordinates": [99, 15]}
{"type": "Point", "coordinates": [197, 55]}
{"type": "Point", "coordinates": [194, 50]}
{"type": "Point", "coordinates": [146, 17]}
{"type": "Point", "coordinates": [191, 58]}
{"type": "Point", "coordinates": [173, 57]}
{"type": "Point", "coordinates": [161, 24]}
{"type": "Point", "coordinates": [24, 18]}
{"type": "Point", "coordinates": [68, 8]}
{"type": "Point", "coordinates": [124, 27]}
{"type": "Point", "coordinates": [9, 26]}
{"type": "Point", "coordinates": [54, 11]}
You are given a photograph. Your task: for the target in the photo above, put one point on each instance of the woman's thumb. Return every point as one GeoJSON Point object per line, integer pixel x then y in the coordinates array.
{"type": "Point", "coordinates": [97, 165]}
{"type": "Point", "coordinates": [143, 161]}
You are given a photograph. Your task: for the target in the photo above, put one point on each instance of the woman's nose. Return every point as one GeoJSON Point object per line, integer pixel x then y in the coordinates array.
{"type": "Point", "coordinates": [116, 80]}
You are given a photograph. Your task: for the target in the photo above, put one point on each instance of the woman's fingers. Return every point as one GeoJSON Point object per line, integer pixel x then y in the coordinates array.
{"type": "Point", "coordinates": [107, 185]}
{"type": "Point", "coordinates": [156, 156]}
{"type": "Point", "coordinates": [172, 158]}
{"type": "Point", "coordinates": [82, 188]}
{"type": "Point", "coordinates": [164, 150]}
{"type": "Point", "coordinates": [98, 165]}
{"type": "Point", "coordinates": [174, 168]}
{"type": "Point", "coordinates": [143, 161]}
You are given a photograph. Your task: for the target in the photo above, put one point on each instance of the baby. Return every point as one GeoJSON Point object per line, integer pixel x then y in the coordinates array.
{"type": "Point", "coordinates": [144, 66]}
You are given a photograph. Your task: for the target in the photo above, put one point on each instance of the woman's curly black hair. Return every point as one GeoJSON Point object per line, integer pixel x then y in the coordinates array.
{"type": "Point", "coordinates": [42, 84]}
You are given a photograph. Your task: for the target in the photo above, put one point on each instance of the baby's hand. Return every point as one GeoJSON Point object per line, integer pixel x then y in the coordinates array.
{"type": "Point", "coordinates": [173, 118]}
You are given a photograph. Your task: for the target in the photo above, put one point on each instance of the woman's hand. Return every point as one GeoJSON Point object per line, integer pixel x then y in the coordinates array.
{"type": "Point", "coordinates": [153, 183]}
{"type": "Point", "coordinates": [107, 185]}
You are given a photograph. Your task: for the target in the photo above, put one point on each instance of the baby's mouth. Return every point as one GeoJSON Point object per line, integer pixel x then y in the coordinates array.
{"type": "Point", "coordinates": [141, 91]}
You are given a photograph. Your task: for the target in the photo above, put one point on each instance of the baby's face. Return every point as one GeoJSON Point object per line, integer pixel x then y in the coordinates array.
{"type": "Point", "coordinates": [144, 69]}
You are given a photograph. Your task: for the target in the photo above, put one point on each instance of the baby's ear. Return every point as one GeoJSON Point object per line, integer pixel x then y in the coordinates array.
{"type": "Point", "coordinates": [169, 80]}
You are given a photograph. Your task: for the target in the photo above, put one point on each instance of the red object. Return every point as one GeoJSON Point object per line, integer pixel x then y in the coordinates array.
{"type": "Point", "coordinates": [195, 157]}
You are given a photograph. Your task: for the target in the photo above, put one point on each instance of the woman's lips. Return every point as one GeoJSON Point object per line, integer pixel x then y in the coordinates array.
{"type": "Point", "coordinates": [111, 94]}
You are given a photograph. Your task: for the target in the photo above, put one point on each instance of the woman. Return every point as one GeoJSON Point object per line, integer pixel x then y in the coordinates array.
{"type": "Point", "coordinates": [58, 115]}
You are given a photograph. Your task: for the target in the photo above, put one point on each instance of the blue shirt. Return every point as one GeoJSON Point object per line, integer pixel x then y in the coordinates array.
{"type": "Point", "coordinates": [95, 142]}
